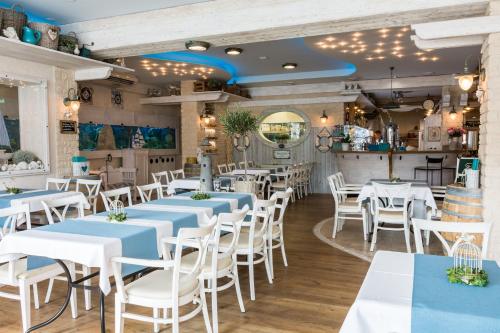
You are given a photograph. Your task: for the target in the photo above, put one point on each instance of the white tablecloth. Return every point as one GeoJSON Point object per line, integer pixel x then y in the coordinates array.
{"type": "Point", "coordinates": [253, 172]}
{"type": "Point", "coordinates": [186, 184]}
{"type": "Point", "coordinates": [232, 202]}
{"type": "Point", "coordinates": [201, 212]}
{"type": "Point", "coordinates": [35, 202]}
{"type": "Point", "coordinates": [420, 191]}
{"type": "Point", "coordinates": [384, 302]}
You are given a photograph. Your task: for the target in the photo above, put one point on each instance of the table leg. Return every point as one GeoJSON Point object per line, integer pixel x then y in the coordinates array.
{"type": "Point", "coordinates": [102, 313]}
{"type": "Point", "coordinates": [66, 300]}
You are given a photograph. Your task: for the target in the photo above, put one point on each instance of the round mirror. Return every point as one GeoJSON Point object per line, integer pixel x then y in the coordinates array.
{"type": "Point", "coordinates": [284, 127]}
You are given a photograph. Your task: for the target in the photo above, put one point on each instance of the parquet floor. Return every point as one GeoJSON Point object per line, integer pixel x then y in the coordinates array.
{"type": "Point", "coordinates": [312, 295]}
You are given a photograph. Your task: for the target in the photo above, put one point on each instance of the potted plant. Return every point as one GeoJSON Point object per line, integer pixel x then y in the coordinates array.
{"type": "Point", "coordinates": [346, 141]}
{"type": "Point", "coordinates": [239, 124]}
{"type": "Point", "coordinates": [454, 134]}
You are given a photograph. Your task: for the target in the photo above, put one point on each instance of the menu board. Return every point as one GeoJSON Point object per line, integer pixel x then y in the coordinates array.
{"type": "Point", "coordinates": [68, 126]}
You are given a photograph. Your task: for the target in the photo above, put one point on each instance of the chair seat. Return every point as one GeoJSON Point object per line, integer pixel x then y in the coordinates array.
{"type": "Point", "coordinates": [158, 285]}
{"type": "Point", "coordinates": [276, 229]}
{"type": "Point", "coordinates": [188, 261]}
{"type": "Point", "coordinates": [279, 184]}
{"type": "Point", "coordinates": [349, 206]}
{"type": "Point", "coordinates": [119, 185]}
{"type": "Point", "coordinates": [21, 272]}
{"type": "Point", "coordinates": [243, 242]}
{"type": "Point", "coordinates": [388, 216]}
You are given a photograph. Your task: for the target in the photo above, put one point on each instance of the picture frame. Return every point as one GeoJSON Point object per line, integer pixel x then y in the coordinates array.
{"type": "Point", "coordinates": [434, 134]}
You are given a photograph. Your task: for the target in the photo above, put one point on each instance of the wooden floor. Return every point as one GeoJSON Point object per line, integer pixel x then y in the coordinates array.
{"type": "Point", "coordinates": [312, 295]}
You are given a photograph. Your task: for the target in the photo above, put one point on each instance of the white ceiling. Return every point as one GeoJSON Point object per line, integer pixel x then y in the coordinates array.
{"type": "Point", "coordinates": [71, 11]}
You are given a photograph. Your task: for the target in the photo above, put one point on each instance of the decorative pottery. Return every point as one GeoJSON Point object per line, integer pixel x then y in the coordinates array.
{"type": "Point", "coordinates": [345, 146]}
{"type": "Point", "coordinates": [4, 167]}
{"type": "Point", "coordinates": [11, 33]}
{"type": "Point", "coordinates": [33, 165]}
{"type": "Point", "coordinates": [31, 36]}
{"type": "Point", "coordinates": [22, 166]}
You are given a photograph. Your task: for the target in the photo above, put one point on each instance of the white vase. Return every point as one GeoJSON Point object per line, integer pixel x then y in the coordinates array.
{"type": "Point", "coordinates": [345, 146]}
{"type": "Point", "coordinates": [455, 143]}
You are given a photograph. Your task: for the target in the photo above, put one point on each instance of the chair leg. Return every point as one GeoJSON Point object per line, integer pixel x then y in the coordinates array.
{"type": "Point", "coordinates": [374, 237]}
{"type": "Point", "coordinates": [49, 290]}
{"type": "Point", "coordinates": [73, 303]}
{"type": "Point", "coordinates": [365, 224]}
{"type": "Point", "coordinates": [175, 317]}
{"type": "Point", "coordinates": [270, 254]}
{"type": "Point", "coordinates": [427, 237]}
{"type": "Point", "coordinates": [35, 296]}
{"type": "Point", "coordinates": [119, 308]}
{"type": "Point", "coordinates": [407, 238]}
{"type": "Point", "coordinates": [265, 252]}
{"type": "Point", "coordinates": [251, 276]}
{"type": "Point", "coordinates": [24, 294]}
{"type": "Point", "coordinates": [156, 326]}
{"type": "Point", "coordinates": [215, 317]}
{"type": "Point", "coordinates": [204, 309]}
{"type": "Point", "coordinates": [87, 293]}
{"type": "Point", "coordinates": [335, 224]}
{"type": "Point", "coordinates": [282, 244]}
{"type": "Point", "coordinates": [237, 286]}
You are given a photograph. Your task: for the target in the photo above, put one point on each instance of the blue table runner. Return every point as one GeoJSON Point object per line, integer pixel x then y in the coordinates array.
{"type": "Point", "coordinates": [178, 219]}
{"type": "Point", "coordinates": [440, 306]}
{"type": "Point", "coordinates": [243, 198]}
{"type": "Point", "coordinates": [217, 206]}
{"type": "Point", "coordinates": [137, 241]}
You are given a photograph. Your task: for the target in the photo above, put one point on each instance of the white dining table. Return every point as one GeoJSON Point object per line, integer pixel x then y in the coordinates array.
{"type": "Point", "coordinates": [185, 184]}
{"type": "Point", "coordinates": [251, 171]}
{"type": "Point", "coordinates": [384, 302]}
{"type": "Point", "coordinates": [35, 201]}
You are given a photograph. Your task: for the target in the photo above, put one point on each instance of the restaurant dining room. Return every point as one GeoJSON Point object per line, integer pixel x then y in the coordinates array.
{"type": "Point", "coordinates": [249, 166]}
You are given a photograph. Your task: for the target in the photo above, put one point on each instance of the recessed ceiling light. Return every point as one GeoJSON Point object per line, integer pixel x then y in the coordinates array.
{"type": "Point", "coordinates": [233, 51]}
{"type": "Point", "coordinates": [199, 46]}
{"type": "Point", "coordinates": [384, 31]}
{"type": "Point", "coordinates": [357, 34]}
{"type": "Point", "coordinates": [263, 58]}
{"type": "Point", "coordinates": [330, 39]}
{"type": "Point", "coordinates": [289, 65]}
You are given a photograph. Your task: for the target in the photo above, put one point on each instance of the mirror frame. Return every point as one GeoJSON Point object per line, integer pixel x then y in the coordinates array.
{"type": "Point", "coordinates": [264, 114]}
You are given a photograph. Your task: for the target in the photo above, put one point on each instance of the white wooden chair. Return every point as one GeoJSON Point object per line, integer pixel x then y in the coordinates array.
{"type": "Point", "coordinates": [222, 169]}
{"type": "Point", "coordinates": [162, 177]}
{"type": "Point", "coordinates": [177, 174]}
{"type": "Point", "coordinates": [117, 194]}
{"type": "Point", "coordinates": [351, 187]}
{"type": "Point", "coordinates": [14, 270]}
{"type": "Point", "coordinates": [90, 188]}
{"type": "Point", "coordinates": [282, 181]}
{"type": "Point", "coordinates": [231, 167]}
{"type": "Point", "coordinates": [60, 184]}
{"type": "Point", "coordinates": [251, 164]}
{"type": "Point", "coordinates": [221, 263]}
{"type": "Point", "coordinates": [346, 209]}
{"type": "Point", "coordinates": [390, 204]}
{"type": "Point", "coordinates": [118, 178]}
{"type": "Point", "coordinates": [146, 192]}
{"type": "Point", "coordinates": [436, 227]}
{"type": "Point", "coordinates": [59, 208]}
{"type": "Point", "coordinates": [252, 243]}
{"type": "Point", "coordinates": [169, 287]}
{"type": "Point", "coordinates": [275, 234]}
{"type": "Point", "coordinates": [260, 186]}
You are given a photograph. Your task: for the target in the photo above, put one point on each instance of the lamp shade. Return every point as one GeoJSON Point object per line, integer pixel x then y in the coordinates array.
{"type": "Point", "coordinates": [465, 81]}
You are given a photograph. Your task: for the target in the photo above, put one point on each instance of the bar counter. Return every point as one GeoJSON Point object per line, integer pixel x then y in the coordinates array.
{"type": "Point", "coordinates": [360, 166]}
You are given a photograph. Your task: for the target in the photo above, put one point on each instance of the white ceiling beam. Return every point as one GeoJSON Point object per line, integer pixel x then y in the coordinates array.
{"type": "Point", "coordinates": [100, 73]}
{"type": "Point", "coordinates": [471, 26]}
{"type": "Point", "coordinates": [311, 88]}
{"type": "Point", "coordinates": [296, 101]}
{"type": "Point", "coordinates": [225, 22]}
{"type": "Point", "coordinates": [446, 43]}
{"type": "Point", "coordinates": [407, 82]}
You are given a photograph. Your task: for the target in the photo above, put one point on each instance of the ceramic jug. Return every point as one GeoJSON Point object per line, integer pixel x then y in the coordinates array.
{"type": "Point", "coordinates": [31, 36]}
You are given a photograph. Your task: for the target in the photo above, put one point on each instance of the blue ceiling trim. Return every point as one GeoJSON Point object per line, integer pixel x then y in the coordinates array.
{"type": "Point", "coordinates": [348, 70]}
{"type": "Point", "coordinates": [196, 58]}
{"type": "Point", "coordinates": [32, 17]}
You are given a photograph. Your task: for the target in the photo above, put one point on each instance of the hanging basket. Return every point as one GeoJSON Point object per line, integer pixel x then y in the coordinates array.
{"type": "Point", "coordinates": [16, 18]}
{"type": "Point", "coordinates": [50, 34]}
{"type": "Point", "coordinates": [67, 43]}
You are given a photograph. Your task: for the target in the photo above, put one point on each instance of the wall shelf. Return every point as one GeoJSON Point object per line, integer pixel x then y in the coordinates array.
{"type": "Point", "coordinates": [205, 96]}
{"type": "Point", "coordinates": [85, 66]}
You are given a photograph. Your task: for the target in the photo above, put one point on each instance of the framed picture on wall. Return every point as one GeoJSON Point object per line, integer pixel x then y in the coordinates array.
{"type": "Point", "coordinates": [434, 134]}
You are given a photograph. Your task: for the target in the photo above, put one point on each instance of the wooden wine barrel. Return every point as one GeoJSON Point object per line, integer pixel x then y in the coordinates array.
{"type": "Point", "coordinates": [462, 205]}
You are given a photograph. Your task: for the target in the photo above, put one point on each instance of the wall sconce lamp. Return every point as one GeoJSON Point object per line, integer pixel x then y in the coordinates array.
{"type": "Point", "coordinates": [453, 113]}
{"type": "Point", "coordinates": [73, 100]}
{"type": "Point", "coordinates": [323, 118]}
{"type": "Point", "coordinates": [466, 80]}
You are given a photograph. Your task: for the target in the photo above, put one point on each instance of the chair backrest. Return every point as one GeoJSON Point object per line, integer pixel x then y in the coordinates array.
{"type": "Point", "coordinates": [340, 177]}
{"type": "Point", "coordinates": [334, 183]}
{"type": "Point", "coordinates": [282, 199]}
{"type": "Point", "coordinates": [391, 196]}
{"type": "Point", "coordinates": [435, 160]}
{"type": "Point", "coordinates": [227, 224]}
{"type": "Point", "coordinates": [129, 175]}
{"type": "Point", "coordinates": [177, 174]}
{"type": "Point", "coordinates": [231, 166]}
{"type": "Point", "coordinates": [262, 212]}
{"type": "Point", "coordinates": [59, 207]}
{"type": "Point", "coordinates": [241, 165]}
{"type": "Point", "coordinates": [251, 164]}
{"type": "Point", "coordinates": [146, 191]}
{"type": "Point", "coordinates": [222, 169]}
{"type": "Point", "coordinates": [14, 217]}
{"type": "Point", "coordinates": [89, 187]}
{"type": "Point", "coordinates": [61, 184]}
{"type": "Point", "coordinates": [464, 228]}
{"type": "Point", "coordinates": [109, 196]}
{"type": "Point", "coordinates": [161, 177]}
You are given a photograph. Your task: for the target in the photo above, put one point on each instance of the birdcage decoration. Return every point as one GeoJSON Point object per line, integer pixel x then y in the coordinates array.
{"type": "Point", "coordinates": [117, 211]}
{"type": "Point", "coordinates": [467, 263]}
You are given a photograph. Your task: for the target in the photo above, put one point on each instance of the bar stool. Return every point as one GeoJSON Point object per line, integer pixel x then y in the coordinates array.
{"type": "Point", "coordinates": [433, 164]}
